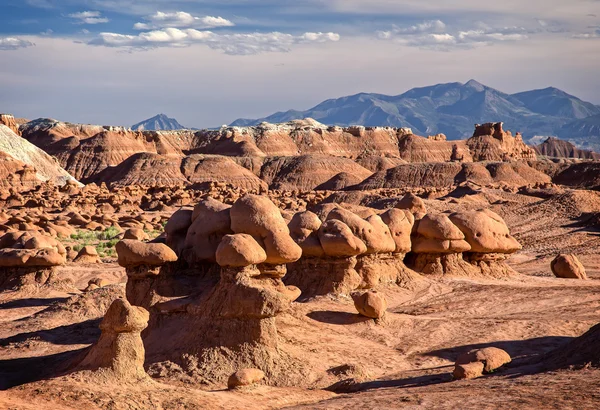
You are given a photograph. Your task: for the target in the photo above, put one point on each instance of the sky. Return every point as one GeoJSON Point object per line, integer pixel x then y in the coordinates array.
{"type": "Point", "coordinates": [207, 63]}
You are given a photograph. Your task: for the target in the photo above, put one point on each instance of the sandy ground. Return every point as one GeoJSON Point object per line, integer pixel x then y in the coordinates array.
{"type": "Point", "coordinates": [404, 360]}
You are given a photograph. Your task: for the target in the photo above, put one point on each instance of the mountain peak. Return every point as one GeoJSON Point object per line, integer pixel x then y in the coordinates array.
{"type": "Point", "coordinates": [475, 84]}
{"type": "Point", "coordinates": [157, 123]}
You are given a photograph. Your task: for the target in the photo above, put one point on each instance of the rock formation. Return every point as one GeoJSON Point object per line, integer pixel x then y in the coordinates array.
{"type": "Point", "coordinates": [232, 303]}
{"type": "Point", "coordinates": [36, 161]}
{"type": "Point", "coordinates": [28, 259]}
{"type": "Point", "coordinates": [568, 267]}
{"type": "Point", "coordinates": [119, 353]}
{"type": "Point", "coordinates": [491, 143]}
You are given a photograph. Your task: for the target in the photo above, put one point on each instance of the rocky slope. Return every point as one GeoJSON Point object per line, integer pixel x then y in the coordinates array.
{"type": "Point", "coordinates": [21, 157]}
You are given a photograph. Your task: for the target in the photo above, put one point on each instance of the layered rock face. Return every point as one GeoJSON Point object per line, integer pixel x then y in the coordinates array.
{"type": "Point", "coordinates": [296, 155]}
{"type": "Point", "coordinates": [28, 259]}
{"type": "Point", "coordinates": [491, 143]}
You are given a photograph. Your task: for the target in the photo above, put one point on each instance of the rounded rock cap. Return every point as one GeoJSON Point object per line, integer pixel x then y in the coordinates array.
{"type": "Point", "coordinates": [132, 253]}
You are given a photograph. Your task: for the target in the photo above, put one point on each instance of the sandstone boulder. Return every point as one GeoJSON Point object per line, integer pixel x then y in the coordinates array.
{"type": "Point", "coordinates": [239, 250]}
{"type": "Point", "coordinates": [258, 216]}
{"type": "Point", "coordinates": [136, 234]}
{"type": "Point", "coordinates": [370, 304]}
{"type": "Point", "coordinates": [120, 350]}
{"type": "Point", "coordinates": [468, 370]}
{"type": "Point", "coordinates": [133, 253]}
{"type": "Point", "coordinates": [435, 233]}
{"type": "Point", "coordinates": [245, 377]}
{"type": "Point", "coordinates": [568, 267]}
{"type": "Point", "coordinates": [485, 231]}
{"type": "Point", "coordinates": [88, 254]}
{"type": "Point", "coordinates": [338, 240]}
{"type": "Point", "coordinates": [491, 357]}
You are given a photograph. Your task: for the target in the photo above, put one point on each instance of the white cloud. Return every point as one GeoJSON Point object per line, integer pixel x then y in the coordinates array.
{"type": "Point", "coordinates": [434, 35]}
{"type": "Point", "coordinates": [14, 43]}
{"type": "Point", "coordinates": [233, 44]}
{"type": "Point", "coordinates": [89, 17]}
{"type": "Point", "coordinates": [47, 32]}
{"type": "Point", "coordinates": [181, 19]}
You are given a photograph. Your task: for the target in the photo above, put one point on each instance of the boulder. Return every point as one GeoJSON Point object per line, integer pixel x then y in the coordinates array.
{"type": "Point", "coordinates": [304, 229]}
{"type": "Point", "coordinates": [435, 233]}
{"type": "Point", "coordinates": [373, 232]}
{"type": "Point", "coordinates": [245, 377]}
{"type": "Point", "coordinates": [485, 231]}
{"type": "Point", "coordinates": [370, 304]}
{"type": "Point", "coordinates": [88, 254]}
{"type": "Point", "coordinates": [338, 240]}
{"type": "Point", "coordinates": [412, 203]}
{"type": "Point", "coordinates": [468, 370]}
{"type": "Point", "coordinates": [239, 250]}
{"type": "Point", "coordinates": [568, 267]}
{"type": "Point", "coordinates": [400, 223]}
{"type": "Point", "coordinates": [257, 216]}
{"type": "Point", "coordinates": [491, 357]}
{"type": "Point", "coordinates": [133, 253]}
{"type": "Point", "coordinates": [136, 234]}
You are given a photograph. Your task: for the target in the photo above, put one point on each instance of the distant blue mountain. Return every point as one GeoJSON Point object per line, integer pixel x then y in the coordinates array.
{"type": "Point", "coordinates": [158, 123]}
{"type": "Point", "coordinates": [451, 109]}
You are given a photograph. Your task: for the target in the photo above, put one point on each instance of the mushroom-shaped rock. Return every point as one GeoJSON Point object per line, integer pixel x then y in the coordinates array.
{"type": "Point", "coordinates": [136, 234]}
{"type": "Point", "coordinates": [245, 377]}
{"type": "Point", "coordinates": [210, 223]}
{"type": "Point", "coordinates": [338, 240]}
{"type": "Point", "coordinates": [568, 267]}
{"type": "Point", "coordinates": [304, 229]}
{"type": "Point", "coordinates": [400, 223]}
{"type": "Point", "coordinates": [239, 250]}
{"type": "Point", "coordinates": [412, 203]}
{"type": "Point", "coordinates": [491, 357]}
{"type": "Point", "coordinates": [88, 254]}
{"type": "Point", "coordinates": [435, 233]}
{"type": "Point", "coordinates": [135, 253]}
{"type": "Point", "coordinates": [485, 231]}
{"type": "Point", "coordinates": [257, 216]}
{"type": "Point", "coordinates": [468, 370]}
{"type": "Point", "coordinates": [373, 231]}
{"type": "Point", "coordinates": [370, 304]}
{"type": "Point", "coordinates": [120, 349]}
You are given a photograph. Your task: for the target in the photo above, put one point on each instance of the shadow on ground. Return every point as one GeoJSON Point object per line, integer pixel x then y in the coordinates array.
{"type": "Point", "coordinates": [337, 318]}
{"type": "Point", "coordinates": [78, 333]}
{"type": "Point", "coordinates": [31, 302]}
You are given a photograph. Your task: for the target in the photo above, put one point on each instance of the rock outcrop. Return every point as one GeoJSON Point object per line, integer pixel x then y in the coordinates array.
{"type": "Point", "coordinates": [491, 143]}
{"type": "Point", "coordinates": [35, 161]}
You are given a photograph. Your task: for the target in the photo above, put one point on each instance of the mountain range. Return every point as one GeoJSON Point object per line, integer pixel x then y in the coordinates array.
{"type": "Point", "coordinates": [454, 108]}
{"type": "Point", "coordinates": [158, 122]}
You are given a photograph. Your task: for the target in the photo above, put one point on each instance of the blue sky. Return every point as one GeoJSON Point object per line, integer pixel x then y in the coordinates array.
{"type": "Point", "coordinates": [209, 62]}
